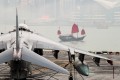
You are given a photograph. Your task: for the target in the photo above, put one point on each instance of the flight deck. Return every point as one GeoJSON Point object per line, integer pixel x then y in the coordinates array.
{"type": "Point", "coordinates": [104, 72]}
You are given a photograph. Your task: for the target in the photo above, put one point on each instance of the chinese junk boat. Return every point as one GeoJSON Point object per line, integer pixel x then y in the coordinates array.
{"type": "Point", "coordinates": [72, 37]}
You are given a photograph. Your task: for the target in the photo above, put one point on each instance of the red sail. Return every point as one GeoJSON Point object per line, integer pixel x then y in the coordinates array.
{"type": "Point", "coordinates": [59, 32]}
{"type": "Point", "coordinates": [82, 32]}
{"type": "Point", "coordinates": [75, 29]}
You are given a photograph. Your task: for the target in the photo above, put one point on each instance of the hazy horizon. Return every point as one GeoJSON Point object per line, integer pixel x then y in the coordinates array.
{"type": "Point", "coordinates": [87, 13]}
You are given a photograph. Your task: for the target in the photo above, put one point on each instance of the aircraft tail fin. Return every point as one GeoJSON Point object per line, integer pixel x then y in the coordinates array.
{"type": "Point", "coordinates": [17, 32]}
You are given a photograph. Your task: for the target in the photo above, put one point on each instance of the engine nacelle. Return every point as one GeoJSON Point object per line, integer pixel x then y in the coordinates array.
{"type": "Point", "coordinates": [1, 50]}
{"type": "Point", "coordinates": [81, 68]}
{"type": "Point", "coordinates": [38, 51]}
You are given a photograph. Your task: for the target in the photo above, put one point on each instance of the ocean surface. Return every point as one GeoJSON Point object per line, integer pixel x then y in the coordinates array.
{"type": "Point", "coordinates": [107, 39]}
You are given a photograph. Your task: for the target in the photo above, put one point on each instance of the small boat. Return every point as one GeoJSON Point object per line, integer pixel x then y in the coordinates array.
{"type": "Point", "coordinates": [71, 37]}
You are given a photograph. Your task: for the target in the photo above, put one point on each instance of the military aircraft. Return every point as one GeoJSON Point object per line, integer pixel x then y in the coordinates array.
{"type": "Point", "coordinates": [22, 47]}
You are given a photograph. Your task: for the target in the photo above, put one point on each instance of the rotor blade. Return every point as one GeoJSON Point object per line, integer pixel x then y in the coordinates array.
{"type": "Point", "coordinates": [34, 58]}
{"type": "Point", "coordinates": [6, 56]}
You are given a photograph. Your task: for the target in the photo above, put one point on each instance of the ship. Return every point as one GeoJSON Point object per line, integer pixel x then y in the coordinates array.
{"type": "Point", "coordinates": [72, 37]}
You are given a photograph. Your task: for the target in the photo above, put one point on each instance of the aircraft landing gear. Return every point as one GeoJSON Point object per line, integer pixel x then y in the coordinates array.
{"type": "Point", "coordinates": [70, 77]}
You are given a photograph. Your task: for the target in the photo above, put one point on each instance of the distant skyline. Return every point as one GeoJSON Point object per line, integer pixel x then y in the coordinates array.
{"type": "Point", "coordinates": [60, 12]}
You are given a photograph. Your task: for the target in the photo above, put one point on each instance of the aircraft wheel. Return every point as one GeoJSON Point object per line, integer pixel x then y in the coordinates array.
{"type": "Point", "coordinates": [24, 79]}
{"type": "Point", "coordinates": [70, 77]}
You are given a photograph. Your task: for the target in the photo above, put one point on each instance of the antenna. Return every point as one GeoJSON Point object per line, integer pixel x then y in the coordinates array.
{"type": "Point", "coordinates": [24, 22]}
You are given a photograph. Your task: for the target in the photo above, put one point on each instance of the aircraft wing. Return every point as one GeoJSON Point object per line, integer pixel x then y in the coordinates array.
{"type": "Point", "coordinates": [90, 54]}
{"type": "Point", "coordinates": [6, 37]}
{"type": "Point", "coordinates": [43, 43]}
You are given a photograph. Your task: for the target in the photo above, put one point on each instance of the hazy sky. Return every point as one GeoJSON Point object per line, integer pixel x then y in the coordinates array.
{"type": "Point", "coordinates": [60, 11]}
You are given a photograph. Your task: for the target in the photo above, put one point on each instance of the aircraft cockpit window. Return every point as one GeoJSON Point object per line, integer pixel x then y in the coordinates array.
{"type": "Point", "coordinates": [24, 29]}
